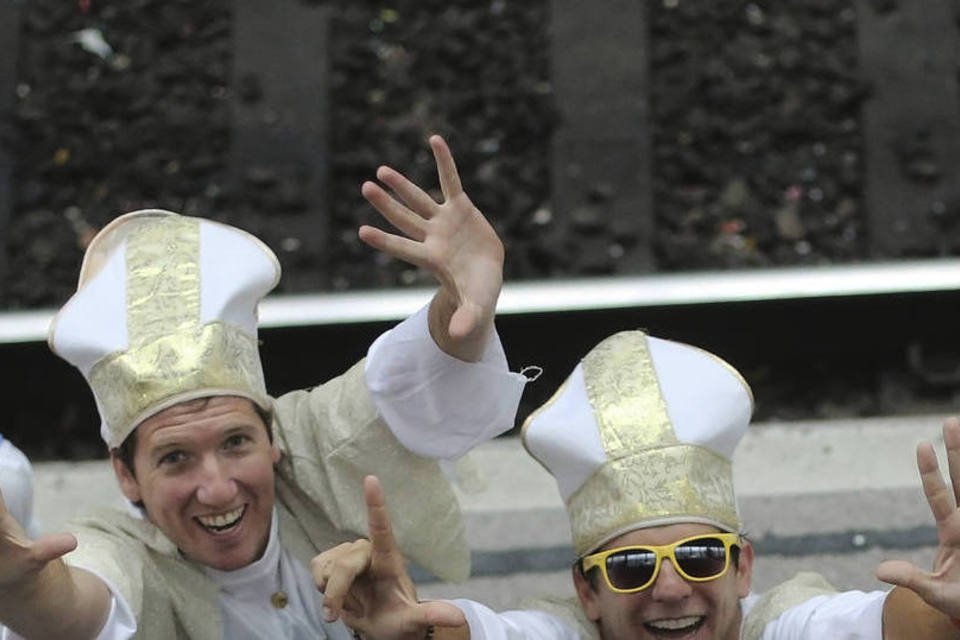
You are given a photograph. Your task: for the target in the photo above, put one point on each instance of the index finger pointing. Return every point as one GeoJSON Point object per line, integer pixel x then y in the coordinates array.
{"type": "Point", "coordinates": [378, 519]}
{"type": "Point", "coordinates": [446, 168]}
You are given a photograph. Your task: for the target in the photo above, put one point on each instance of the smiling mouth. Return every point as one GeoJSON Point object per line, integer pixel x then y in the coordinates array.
{"type": "Point", "coordinates": [675, 627]}
{"type": "Point", "coordinates": [222, 522]}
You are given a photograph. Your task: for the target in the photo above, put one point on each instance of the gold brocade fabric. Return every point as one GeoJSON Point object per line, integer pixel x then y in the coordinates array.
{"type": "Point", "coordinates": [215, 359]}
{"type": "Point", "coordinates": [653, 487]}
{"type": "Point", "coordinates": [163, 279]}
{"type": "Point", "coordinates": [625, 395]}
{"type": "Point", "coordinates": [170, 357]}
{"type": "Point", "coordinates": [650, 477]}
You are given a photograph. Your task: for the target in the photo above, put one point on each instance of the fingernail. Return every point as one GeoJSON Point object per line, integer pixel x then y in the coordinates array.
{"type": "Point", "coordinates": [328, 614]}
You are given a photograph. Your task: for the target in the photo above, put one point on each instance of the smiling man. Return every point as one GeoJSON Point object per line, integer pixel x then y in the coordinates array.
{"type": "Point", "coordinates": [205, 469]}
{"type": "Point", "coordinates": [640, 439]}
{"type": "Point", "coordinates": [236, 491]}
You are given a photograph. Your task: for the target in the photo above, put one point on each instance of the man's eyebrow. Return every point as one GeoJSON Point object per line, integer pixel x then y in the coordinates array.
{"type": "Point", "coordinates": [162, 447]}
{"type": "Point", "coordinates": [242, 428]}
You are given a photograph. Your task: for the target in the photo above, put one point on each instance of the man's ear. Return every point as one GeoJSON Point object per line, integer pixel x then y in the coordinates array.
{"type": "Point", "coordinates": [275, 453]}
{"type": "Point", "coordinates": [588, 597]}
{"type": "Point", "coordinates": [125, 478]}
{"type": "Point", "coordinates": [745, 569]}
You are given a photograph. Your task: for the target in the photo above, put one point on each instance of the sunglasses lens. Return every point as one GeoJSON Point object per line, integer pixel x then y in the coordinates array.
{"type": "Point", "coordinates": [631, 568]}
{"type": "Point", "coordinates": [703, 558]}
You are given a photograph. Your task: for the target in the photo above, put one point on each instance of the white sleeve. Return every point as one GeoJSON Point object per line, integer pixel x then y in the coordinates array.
{"type": "Point", "coordinates": [436, 405]}
{"type": "Point", "coordinates": [486, 624]}
{"type": "Point", "coordinates": [851, 615]}
{"type": "Point", "coordinates": [120, 624]}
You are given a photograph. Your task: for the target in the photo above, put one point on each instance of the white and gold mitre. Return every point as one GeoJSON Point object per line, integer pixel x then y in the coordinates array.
{"type": "Point", "coordinates": [641, 434]}
{"type": "Point", "coordinates": [165, 312]}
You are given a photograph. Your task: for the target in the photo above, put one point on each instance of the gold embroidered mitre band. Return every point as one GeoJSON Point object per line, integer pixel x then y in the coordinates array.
{"type": "Point", "coordinates": [165, 313]}
{"type": "Point", "coordinates": [641, 435]}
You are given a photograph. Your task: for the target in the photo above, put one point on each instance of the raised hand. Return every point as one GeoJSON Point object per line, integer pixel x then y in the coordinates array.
{"type": "Point", "coordinates": [365, 583]}
{"type": "Point", "coordinates": [453, 241]}
{"type": "Point", "coordinates": [22, 558]}
{"type": "Point", "coordinates": [941, 587]}
{"type": "Point", "coordinates": [40, 597]}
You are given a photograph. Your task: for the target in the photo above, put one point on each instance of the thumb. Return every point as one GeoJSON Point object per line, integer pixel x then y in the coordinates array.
{"type": "Point", "coordinates": [442, 614]}
{"type": "Point", "coordinates": [903, 574]}
{"type": "Point", "coordinates": [463, 321]}
{"type": "Point", "coordinates": [49, 547]}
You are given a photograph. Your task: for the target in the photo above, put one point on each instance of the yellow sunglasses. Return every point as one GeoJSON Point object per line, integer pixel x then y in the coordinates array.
{"type": "Point", "coordinates": [631, 569]}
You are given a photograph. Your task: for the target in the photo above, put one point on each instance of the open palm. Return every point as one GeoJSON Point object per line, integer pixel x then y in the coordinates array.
{"type": "Point", "coordinates": [450, 239]}
{"type": "Point", "coordinates": [941, 587]}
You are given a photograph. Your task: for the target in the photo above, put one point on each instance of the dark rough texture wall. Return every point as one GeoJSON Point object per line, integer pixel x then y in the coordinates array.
{"type": "Point", "coordinates": [759, 158]}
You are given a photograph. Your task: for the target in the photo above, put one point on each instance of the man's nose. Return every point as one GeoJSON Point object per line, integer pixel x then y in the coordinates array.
{"type": "Point", "coordinates": [215, 486]}
{"type": "Point", "coordinates": [669, 584]}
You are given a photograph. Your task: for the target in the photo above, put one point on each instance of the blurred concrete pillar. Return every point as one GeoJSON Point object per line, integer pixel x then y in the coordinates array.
{"type": "Point", "coordinates": [280, 123]}
{"type": "Point", "coordinates": [909, 53]}
{"type": "Point", "coordinates": [601, 165]}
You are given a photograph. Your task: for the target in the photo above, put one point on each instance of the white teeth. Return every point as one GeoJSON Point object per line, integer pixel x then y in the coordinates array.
{"type": "Point", "coordinates": [223, 520]}
{"type": "Point", "coordinates": [675, 623]}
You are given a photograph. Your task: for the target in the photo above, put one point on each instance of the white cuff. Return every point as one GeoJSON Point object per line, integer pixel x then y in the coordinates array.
{"type": "Point", "coordinates": [437, 405]}
{"type": "Point", "coordinates": [528, 624]}
{"type": "Point", "coordinates": [120, 624]}
{"type": "Point", "coordinates": [850, 614]}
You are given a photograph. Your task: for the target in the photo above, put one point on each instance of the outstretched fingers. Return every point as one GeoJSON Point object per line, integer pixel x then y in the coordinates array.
{"type": "Point", "coordinates": [941, 588]}
{"type": "Point", "coordinates": [939, 496]}
{"type": "Point", "coordinates": [446, 168]}
{"type": "Point", "coordinates": [397, 246]}
{"type": "Point", "coordinates": [419, 201]}
{"type": "Point", "coordinates": [951, 438]}
{"type": "Point", "coordinates": [410, 223]}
